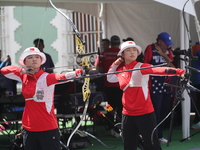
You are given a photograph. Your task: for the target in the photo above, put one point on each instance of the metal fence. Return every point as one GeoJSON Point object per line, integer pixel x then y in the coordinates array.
{"type": "Point", "coordinates": [90, 29]}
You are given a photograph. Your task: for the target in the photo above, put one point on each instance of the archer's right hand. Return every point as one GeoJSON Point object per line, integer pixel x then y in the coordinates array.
{"type": "Point", "coordinates": [119, 61]}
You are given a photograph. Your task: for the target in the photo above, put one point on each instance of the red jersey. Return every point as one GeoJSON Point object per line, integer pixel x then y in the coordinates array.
{"type": "Point", "coordinates": [38, 91]}
{"type": "Point", "coordinates": [136, 96]}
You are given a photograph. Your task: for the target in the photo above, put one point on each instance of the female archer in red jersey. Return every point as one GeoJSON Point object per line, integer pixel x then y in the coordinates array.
{"type": "Point", "coordinates": [138, 117]}
{"type": "Point", "coordinates": [38, 120]}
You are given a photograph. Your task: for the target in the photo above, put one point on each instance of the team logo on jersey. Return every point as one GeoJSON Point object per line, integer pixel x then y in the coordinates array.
{"type": "Point", "coordinates": [40, 94]}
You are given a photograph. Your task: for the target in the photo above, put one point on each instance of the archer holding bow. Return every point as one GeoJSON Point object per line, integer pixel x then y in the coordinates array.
{"type": "Point", "coordinates": [138, 117]}
{"type": "Point", "coordinates": [39, 120]}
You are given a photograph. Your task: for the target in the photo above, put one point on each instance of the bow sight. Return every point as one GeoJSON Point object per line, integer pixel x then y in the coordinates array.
{"type": "Point", "coordinates": [90, 56]}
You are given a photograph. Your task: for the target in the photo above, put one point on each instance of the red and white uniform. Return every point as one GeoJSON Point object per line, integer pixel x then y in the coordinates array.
{"type": "Point", "coordinates": [38, 91]}
{"type": "Point", "coordinates": [136, 97]}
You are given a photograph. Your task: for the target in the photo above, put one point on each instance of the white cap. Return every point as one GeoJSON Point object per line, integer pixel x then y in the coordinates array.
{"type": "Point", "coordinates": [31, 51]}
{"type": "Point", "coordinates": [129, 44]}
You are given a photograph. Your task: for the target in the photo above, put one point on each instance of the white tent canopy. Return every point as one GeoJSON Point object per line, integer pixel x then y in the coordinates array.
{"type": "Point", "coordinates": [68, 4]}
{"type": "Point", "coordinates": [141, 19]}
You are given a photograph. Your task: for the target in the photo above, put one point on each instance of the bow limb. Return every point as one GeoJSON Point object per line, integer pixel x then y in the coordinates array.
{"type": "Point", "coordinates": [94, 137]}
{"type": "Point", "coordinates": [85, 88]}
{"type": "Point", "coordinates": [80, 50]}
{"type": "Point", "coordinates": [68, 19]}
{"type": "Point", "coordinates": [82, 118]}
{"type": "Point", "coordinates": [86, 96]}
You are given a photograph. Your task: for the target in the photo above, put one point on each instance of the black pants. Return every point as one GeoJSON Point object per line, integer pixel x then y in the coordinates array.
{"type": "Point", "coordinates": [132, 126]}
{"type": "Point", "coordinates": [45, 140]}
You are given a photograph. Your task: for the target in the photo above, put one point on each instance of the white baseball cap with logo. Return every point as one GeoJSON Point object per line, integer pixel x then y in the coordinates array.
{"type": "Point", "coordinates": [31, 51]}
{"type": "Point", "coordinates": [129, 44]}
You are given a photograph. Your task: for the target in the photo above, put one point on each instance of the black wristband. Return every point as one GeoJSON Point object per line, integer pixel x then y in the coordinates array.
{"type": "Point", "coordinates": [170, 71]}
